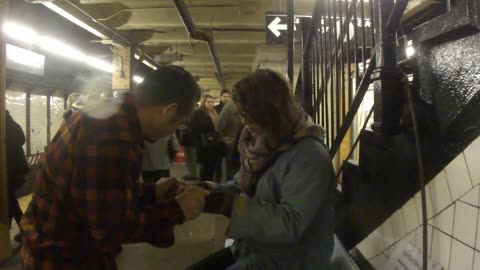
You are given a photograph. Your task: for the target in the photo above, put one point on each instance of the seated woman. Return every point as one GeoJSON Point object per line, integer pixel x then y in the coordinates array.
{"type": "Point", "coordinates": [281, 201]}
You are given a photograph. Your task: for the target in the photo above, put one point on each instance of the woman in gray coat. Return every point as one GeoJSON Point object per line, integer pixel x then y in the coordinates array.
{"type": "Point", "coordinates": [280, 203]}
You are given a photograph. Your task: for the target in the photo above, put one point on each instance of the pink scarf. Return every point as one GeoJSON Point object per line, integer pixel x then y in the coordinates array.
{"type": "Point", "coordinates": [255, 154]}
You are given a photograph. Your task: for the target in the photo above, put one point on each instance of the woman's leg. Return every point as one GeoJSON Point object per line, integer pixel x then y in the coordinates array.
{"type": "Point", "coordinates": [219, 260]}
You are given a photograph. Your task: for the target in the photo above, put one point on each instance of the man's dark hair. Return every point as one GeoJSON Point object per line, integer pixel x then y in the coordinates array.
{"type": "Point", "coordinates": [225, 91]}
{"type": "Point", "coordinates": [166, 85]}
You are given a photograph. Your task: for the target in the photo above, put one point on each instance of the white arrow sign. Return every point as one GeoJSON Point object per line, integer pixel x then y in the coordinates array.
{"type": "Point", "coordinates": [275, 27]}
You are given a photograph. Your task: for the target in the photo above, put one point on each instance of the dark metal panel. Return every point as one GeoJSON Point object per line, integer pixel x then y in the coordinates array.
{"type": "Point", "coordinates": [449, 76]}
{"type": "Point", "coordinates": [448, 56]}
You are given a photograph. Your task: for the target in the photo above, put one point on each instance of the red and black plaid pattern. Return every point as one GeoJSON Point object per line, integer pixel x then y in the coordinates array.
{"type": "Point", "coordinates": [87, 200]}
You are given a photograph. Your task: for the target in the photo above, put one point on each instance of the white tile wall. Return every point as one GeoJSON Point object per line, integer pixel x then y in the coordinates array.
{"type": "Point", "coordinates": [441, 245]}
{"type": "Point", "coordinates": [419, 238]}
{"type": "Point", "coordinates": [461, 257]}
{"type": "Point", "coordinates": [386, 231]}
{"type": "Point", "coordinates": [477, 245]}
{"type": "Point", "coordinates": [465, 227]}
{"type": "Point", "coordinates": [444, 220]}
{"type": "Point", "coordinates": [453, 205]}
{"type": "Point", "coordinates": [472, 197]}
{"type": "Point", "coordinates": [38, 123]}
{"type": "Point", "coordinates": [56, 114]}
{"type": "Point", "coordinates": [476, 264]}
{"type": "Point", "coordinates": [472, 156]}
{"type": "Point", "coordinates": [440, 193]}
{"type": "Point", "coordinates": [418, 204]}
{"type": "Point", "coordinates": [398, 225]}
{"type": "Point", "coordinates": [458, 177]}
{"type": "Point", "coordinates": [411, 215]}
{"type": "Point", "coordinates": [379, 261]}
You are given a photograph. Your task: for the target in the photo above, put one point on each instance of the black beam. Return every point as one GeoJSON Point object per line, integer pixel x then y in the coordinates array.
{"type": "Point", "coordinates": [49, 116]}
{"type": "Point", "coordinates": [306, 70]}
{"type": "Point", "coordinates": [290, 37]}
{"type": "Point", "coordinates": [28, 128]}
{"type": "Point", "coordinates": [386, 78]}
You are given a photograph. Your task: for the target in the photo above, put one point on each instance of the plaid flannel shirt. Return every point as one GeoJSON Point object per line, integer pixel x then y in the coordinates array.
{"type": "Point", "coordinates": [87, 200]}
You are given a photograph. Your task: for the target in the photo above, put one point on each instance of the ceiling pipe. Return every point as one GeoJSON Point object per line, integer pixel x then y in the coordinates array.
{"type": "Point", "coordinates": [206, 36]}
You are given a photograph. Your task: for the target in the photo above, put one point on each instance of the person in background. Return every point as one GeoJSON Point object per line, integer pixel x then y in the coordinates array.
{"type": "Point", "coordinates": [17, 167]}
{"type": "Point", "coordinates": [225, 98]}
{"type": "Point", "coordinates": [281, 202]}
{"type": "Point", "coordinates": [72, 98]}
{"type": "Point", "coordinates": [208, 144]}
{"type": "Point", "coordinates": [157, 158]}
{"type": "Point", "coordinates": [87, 198]}
{"type": "Point", "coordinates": [229, 125]}
{"type": "Point", "coordinates": [187, 140]}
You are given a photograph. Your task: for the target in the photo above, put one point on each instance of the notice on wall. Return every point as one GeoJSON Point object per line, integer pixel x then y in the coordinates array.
{"type": "Point", "coordinates": [409, 258]}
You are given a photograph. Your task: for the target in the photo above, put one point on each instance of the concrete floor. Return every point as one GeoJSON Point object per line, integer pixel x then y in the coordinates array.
{"type": "Point", "coordinates": [194, 240]}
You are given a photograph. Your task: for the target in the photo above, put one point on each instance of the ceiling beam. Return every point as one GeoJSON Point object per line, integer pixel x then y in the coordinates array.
{"type": "Point", "coordinates": [246, 15]}
{"type": "Point", "coordinates": [201, 49]}
{"type": "Point", "coordinates": [202, 59]}
{"type": "Point", "coordinates": [225, 37]}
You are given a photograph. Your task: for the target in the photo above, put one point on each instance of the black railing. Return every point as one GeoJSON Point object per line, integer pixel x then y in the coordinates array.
{"type": "Point", "coordinates": [337, 49]}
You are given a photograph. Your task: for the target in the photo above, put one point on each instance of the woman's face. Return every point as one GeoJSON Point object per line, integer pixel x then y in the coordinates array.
{"type": "Point", "coordinates": [209, 103]}
{"type": "Point", "coordinates": [254, 128]}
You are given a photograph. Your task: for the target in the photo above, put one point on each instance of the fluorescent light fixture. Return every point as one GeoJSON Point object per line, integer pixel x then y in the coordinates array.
{"type": "Point", "coordinates": [54, 46]}
{"type": "Point", "coordinates": [20, 33]}
{"type": "Point", "coordinates": [137, 79]}
{"type": "Point", "coordinates": [62, 49]}
{"type": "Point", "coordinates": [136, 56]}
{"type": "Point", "coordinates": [73, 19]}
{"type": "Point", "coordinates": [148, 64]}
{"type": "Point", "coordinates": [25, 57]}
{"type": "Point", "coordinates": [107, 67]}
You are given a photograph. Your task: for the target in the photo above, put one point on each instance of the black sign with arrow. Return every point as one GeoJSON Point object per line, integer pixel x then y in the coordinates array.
{"type": "Point", "coordinates": [277, 27]}
{"type": "Point", "coordinates": [276, 24]}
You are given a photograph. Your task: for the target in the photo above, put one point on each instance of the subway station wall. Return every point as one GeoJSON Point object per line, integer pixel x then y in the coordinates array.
{"type": "Point", "coordinates": [16, 105]}
{"type": "Point", "coordinates": [453, 207]}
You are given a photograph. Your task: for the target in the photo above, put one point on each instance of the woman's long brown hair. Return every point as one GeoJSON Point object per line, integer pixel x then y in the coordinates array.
{"type": "Point", "coordinates": [265, 98]}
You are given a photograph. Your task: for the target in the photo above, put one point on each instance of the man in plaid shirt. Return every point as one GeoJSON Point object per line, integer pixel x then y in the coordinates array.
{"type": "Point", "coordinates": [87, 199]}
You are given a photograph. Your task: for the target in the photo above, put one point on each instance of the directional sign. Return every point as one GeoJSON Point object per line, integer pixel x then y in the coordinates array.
{"type": "Point", "coordinates": [277, 27]}
{"type": "Point", "coordinates": [276, 24]}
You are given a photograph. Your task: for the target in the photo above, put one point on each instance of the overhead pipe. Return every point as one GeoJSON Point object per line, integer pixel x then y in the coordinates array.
{"type": "Point", "coordinates": [206, 36]}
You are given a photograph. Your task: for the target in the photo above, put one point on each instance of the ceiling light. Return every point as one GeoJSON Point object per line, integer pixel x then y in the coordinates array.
{"type": "Point", "coordinates": [20, 33]}
{"type": "Point", "coordinates": [60, 48]}
{"type": "Point", "coordinates": [410, 51]}
{"type": "Point", "coordinates": [136, 56]}
{"type": "Point", "coordinates": [24, 57]}
{"type": "Point", "coordinates": [73, 19]}
{"type": "Point", "coordinates": [137, 79]}
{"type": "Point", "coordinates": [54, 46]}
{"type": "Point", "coordinates": [148, 64]}
{"type": "Point", "coordinates": [107, 67]}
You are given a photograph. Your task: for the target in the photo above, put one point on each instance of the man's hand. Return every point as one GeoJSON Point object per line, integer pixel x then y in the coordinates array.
{"type": "Point", "coordinates": [192, 201]}
{"type": "Point", "coordinates": [167, 188]}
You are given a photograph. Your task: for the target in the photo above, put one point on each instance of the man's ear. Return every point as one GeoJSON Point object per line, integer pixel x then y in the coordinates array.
{"type": "Point", "coordinates": [171, 110]}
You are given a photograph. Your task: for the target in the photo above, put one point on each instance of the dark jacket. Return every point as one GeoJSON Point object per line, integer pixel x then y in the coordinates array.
{"type": "Point", "coordinates": [202, 125]}
{"type": "Point", "coordinates": [218, 108]}
{"type": "Point", "coordinates": [17, 165]}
